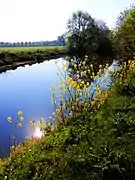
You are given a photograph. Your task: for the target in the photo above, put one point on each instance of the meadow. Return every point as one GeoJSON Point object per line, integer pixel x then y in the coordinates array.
{"type": "Point", "coordinates": [12, 57]}
{"type": "Point", "coordinates": [31, 49]}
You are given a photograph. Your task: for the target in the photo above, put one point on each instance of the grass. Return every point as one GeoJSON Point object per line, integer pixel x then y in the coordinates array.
{"type": "Point", "coordinates": [12, 57]}
{"type": "Point", "coordinates": [97, 145]}
{"type": "Point", "coordinates": [31, 49]}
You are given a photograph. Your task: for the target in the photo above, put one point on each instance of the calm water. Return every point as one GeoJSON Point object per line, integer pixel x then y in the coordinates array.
{"type": "Point", "coordinates": [26, 88]}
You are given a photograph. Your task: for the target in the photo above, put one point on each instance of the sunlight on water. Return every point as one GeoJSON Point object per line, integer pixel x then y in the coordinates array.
{"type": "Point", "coordinates": [26, 88]}
{"type": "Point", "coordinates": [38, 133]}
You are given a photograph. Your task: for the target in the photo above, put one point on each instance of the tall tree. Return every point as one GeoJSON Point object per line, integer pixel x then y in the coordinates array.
{"type": "Point", "coordinates": [87, 36]}
{"type": "Point", "coordinates": [125, 33]}
{"type": "Point", "coordinates": [80, 27]}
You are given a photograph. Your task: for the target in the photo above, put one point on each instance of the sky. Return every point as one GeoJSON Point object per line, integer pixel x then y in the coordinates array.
{"type": "Point", "coordinates": [37, 20]}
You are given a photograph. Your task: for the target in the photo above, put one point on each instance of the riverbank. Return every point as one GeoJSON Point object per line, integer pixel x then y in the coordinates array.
{"type": "Point", "coordinates": [11, 58]}
{"type": "Point", "coordinates": [98, 144]}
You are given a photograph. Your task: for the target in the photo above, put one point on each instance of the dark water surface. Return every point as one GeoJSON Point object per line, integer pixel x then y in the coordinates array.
{"type": "Point", "coordinates": [26, 88]}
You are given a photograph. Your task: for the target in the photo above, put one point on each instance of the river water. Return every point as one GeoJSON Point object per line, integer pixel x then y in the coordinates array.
{"type": "Point", "coordinates": [27, 89]}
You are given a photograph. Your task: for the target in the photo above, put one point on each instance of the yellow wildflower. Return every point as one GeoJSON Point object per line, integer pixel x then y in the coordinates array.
{"type": "Point", "coordinates": [72, 60]}
{"type": "Point", "coordinates": [85, 90]}
{"type": "Point", "coordinates": [100, 66]}
{"type": "Point", "coordinates": [77, 72]}
{"type": "Point", "coordinates": [92, 103]}
{"type": "Point", "coordinates": [69, 70]}
{"type": "Point", "coordinates": [82, 73]}
{"type": "Point", "coordinates": [91, 65]}
{"type": "Point", "coordinates": [19, 113]}
{"type": "Point", "coordinates": [88, 70]}
{"type": "Point", "coordinates": [82, 82]}
{"type": "Point", "coordinates": [21, 118]}
{"type": "Point", "coordinates": [9, 119]}
{"type": "Point", "coordinates": [80, 94]}
{"type": "Point", "coordinates": [85, 72]}
{"type": "Point", "coordinates": [75, 66]}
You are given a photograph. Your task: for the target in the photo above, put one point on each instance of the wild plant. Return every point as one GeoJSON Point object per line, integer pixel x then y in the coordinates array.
{"type": "Point", "coordinates": [16, 123]}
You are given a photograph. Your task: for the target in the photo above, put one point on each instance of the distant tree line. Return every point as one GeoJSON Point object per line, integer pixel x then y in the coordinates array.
{"type": "Point", "coordinates": [59, 42]}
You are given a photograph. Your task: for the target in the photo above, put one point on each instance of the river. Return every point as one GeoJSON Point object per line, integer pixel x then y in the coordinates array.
{"type": "Point", "coordinates": [27, 89]}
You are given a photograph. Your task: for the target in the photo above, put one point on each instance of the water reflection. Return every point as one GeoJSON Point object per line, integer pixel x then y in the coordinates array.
{"type": "Point", "coordinates": [105, 80]}
{"type": "Point", "coordinates": [26, 88]}
{"type": "Point", "coordinates": [37, 133]}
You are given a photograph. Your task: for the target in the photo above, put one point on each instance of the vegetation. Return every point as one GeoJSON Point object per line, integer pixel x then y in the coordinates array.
{"type": "Point", "coordinates": [88, 37]}
{"type": "Point", "coordinates": [12, 57]}
{"type": "Point", "coordinates": [16, 123]}
{"type": "Point", "coordinates": [59, 42]}
{"type": "Point", "coordinates": [91, 138]}
{"type": "Point", "coordinates": [96, 144]}
{"type": "Point", "coordinates": [124, 34]}
{"type": "Point", "coordinates": [31, 49]}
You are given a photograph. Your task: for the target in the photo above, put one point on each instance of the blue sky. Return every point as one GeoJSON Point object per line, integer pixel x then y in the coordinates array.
{"type": "Point", "coordinates": [35, 20]}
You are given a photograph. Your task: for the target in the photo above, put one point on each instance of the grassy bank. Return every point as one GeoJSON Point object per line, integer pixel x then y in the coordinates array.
{"type": "Point", "coordinates": [13, 57]}
{"type": "Point", "coordinates": [97, 144]}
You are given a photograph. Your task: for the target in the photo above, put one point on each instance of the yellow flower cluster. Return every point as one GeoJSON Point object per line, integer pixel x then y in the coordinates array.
{"type": "Point", "coordinates": [19, 113]}
{"type": "Point", "coordinates": [9, 119]}
{"type": "Point", "coordinates": [131, 64]}
{"type": "Point", "coordinates": [79, 88]}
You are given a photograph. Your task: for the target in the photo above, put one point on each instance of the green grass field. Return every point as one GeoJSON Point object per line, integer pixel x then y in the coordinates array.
{"type": "Point", "coordinates": [11, 55]}
{"type": "Point", "coordinates": [31, 49]}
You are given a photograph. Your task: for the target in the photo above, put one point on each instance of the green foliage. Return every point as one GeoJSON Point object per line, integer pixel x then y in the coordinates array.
{"type": "Point", "coordinates": [88, 36]}
{"type": "Point", "coordinates": [12, 57]}
{"type": "Point", "coordinates": [125, 33]}
{"type": "Point", "coordinates": [91, 37]}
{"type": "Point", "coordinates": [31, 49]}
{"type": "Point", "coordinates": [96, 145]}
{"type": "Point", "coordinates": [98, 142]}
{"type": "Point", "coordinates": [15, 124]}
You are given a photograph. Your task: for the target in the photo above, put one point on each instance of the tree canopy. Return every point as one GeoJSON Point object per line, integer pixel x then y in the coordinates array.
{"type": "Point", "coordinates": [88, 36]}
{"type": "Point", "coordinates": [125, 33]}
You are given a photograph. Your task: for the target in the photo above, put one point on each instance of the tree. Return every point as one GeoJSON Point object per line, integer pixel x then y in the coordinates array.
{"type": "Point", "coordinates": [79, 21]}
{"type": "Point", "coordinates": [125, 33]}
{"type": "Point", "coordinates": [81, 27]}
{"type": "Point", "coordinates": [121, 18]}
{"type": "Point", "coordinates": [87, 36]}
{"type": "Point", "coordinates": [102, 25]}
{"type": "Point", "coordinates": [61, 40]}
